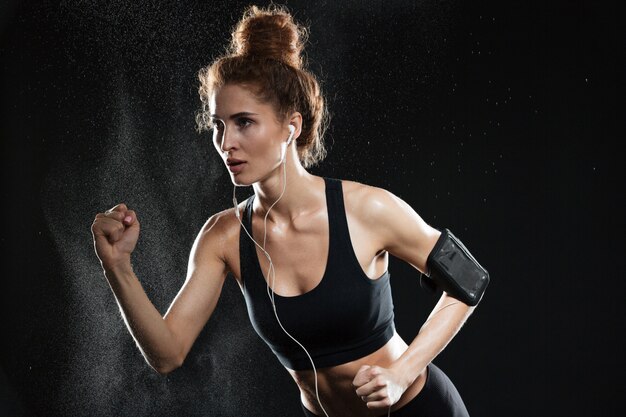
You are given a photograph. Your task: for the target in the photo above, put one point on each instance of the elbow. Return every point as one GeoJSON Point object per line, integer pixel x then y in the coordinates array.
{"type": "Point", "coordinates": [163, 371]}
{"type": "Point", "coordinates": [169, 361]}
{"type": "Point", "coordinates": [470, 305]}
{"type": "Point", "coordinates": [166, 367]}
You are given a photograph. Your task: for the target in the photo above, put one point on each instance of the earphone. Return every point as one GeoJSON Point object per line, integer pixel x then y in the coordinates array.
{"type": "Point", "coordinates": [292, 131]}
{"type": "Point", "coordinates": [271, 272]}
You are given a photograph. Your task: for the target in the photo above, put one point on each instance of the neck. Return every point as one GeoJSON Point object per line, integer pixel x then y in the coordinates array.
{"type": "Point", "coordinates": [300, 196]}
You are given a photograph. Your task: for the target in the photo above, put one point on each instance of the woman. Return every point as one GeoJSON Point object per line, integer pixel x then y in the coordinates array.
{"type": "Point", "coordinates": [310, 254]}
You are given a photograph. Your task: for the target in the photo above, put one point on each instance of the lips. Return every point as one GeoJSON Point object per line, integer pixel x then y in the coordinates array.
{"type": "Point", "coordinates": [235, 165]}
{"type": "Point", "coordinates": [233, 161]}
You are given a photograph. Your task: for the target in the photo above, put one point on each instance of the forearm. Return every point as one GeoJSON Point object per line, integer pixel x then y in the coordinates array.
{"type": "Point", "coordinates": [442, 325]}
{"type": "Point", "coordinates": [146, 325]}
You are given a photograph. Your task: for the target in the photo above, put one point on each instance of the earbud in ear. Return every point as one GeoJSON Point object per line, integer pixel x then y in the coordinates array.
{"type": "Point", "coordinates": [292, 131]}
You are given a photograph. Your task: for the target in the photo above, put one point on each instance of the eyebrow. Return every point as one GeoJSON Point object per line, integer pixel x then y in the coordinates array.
{"type": "Point", "coordinates": [236, 115]}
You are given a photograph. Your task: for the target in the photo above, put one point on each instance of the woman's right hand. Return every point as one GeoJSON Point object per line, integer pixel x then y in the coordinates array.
{"type": "Point", "coordinates": [115, 234]}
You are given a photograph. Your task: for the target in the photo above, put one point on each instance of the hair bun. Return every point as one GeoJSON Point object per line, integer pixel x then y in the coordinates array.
{"type": "Point", "coordinates": [269, 33]}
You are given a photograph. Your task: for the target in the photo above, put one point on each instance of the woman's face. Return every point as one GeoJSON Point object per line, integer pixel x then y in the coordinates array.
{"type": "Point", "coordinates": [246, 134]}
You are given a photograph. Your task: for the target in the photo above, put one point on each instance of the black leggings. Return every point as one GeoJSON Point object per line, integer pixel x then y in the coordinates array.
{"type": "Point", "coordinates": [438, 398]}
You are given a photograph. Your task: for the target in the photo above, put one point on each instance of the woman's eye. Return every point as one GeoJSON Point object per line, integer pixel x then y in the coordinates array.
{"type": "Point", "coordinates": [244, 122]}
{"type": "Point", "coordinates": [216, 124]}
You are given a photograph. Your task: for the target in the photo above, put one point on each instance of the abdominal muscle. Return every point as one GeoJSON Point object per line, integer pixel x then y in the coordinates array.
{"type": "Point", "coordinates": [338, 395]}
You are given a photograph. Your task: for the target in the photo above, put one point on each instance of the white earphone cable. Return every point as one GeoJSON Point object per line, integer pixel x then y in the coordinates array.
{"type": "Point", "coordinates": [271, 271]}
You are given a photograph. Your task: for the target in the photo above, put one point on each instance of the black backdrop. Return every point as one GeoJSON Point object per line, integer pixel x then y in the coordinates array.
{"type": "Point", "coordinates": [498, 121]}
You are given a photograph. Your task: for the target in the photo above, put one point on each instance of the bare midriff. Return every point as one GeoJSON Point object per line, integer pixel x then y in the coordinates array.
{"type": "Point", "coordinates": [338, 395]}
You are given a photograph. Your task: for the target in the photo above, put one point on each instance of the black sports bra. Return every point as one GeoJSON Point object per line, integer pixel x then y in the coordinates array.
{"type": "Point", "coordinates": [345, 317]}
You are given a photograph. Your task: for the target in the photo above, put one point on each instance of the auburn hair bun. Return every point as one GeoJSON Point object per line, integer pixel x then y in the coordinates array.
{"type": "Point", "coordinates": [266, 54]}
{"type": "Point", "coordinates": [269, 33]}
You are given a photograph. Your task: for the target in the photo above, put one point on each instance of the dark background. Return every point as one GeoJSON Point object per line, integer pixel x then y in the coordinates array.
{"type": "Point", "coordinates": [498, 120]}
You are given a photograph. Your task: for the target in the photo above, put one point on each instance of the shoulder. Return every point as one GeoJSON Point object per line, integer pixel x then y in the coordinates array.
{"type": "Point", "coordinates": [221, 231]}
{"type": "Point", "coordinates": [391, 221]}
{"type": "Point", "coordinates": [367, 201]}
{"type": "Point", "coordinates": [223, 223]}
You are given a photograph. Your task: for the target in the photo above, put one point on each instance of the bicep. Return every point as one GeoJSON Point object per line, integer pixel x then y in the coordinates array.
{"type": "Point", "coordinates": [404, 233]}
{"type": "Point", "coordinates": [195, 302]}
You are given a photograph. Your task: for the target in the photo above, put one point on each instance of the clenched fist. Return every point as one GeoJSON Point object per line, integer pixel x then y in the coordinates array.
{"type": "Point", "coordinates": [115, 233]}
{"type": "Point", "coordinates": [379, 387]}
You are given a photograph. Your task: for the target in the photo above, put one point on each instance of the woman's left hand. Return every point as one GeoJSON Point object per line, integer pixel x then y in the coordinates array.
{"type": "Point", "coordinates": [379, 387]}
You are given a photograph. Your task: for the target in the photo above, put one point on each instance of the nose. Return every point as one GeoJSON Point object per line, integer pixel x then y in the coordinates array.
{"type": "Point", "coordinates": [225, 140]}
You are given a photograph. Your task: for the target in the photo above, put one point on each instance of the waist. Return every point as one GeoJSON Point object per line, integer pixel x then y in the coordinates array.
{"type": "Point", "coordinates": [338, 395]}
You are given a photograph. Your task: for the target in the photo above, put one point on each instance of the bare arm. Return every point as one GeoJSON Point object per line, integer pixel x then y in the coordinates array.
{"type": "Point", "coordinates": [443, 323]}
{"type": "Point", "coordinates": [206, 273]}
{"type": "Point", "coordinates": [163, 341]}
{"type": "Point", "coordinates": [145, 324]}
{"type": "Point", "coordinates": [404, 234]}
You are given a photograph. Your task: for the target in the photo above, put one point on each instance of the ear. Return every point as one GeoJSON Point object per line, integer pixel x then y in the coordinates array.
{"type": "Point", "coordinates": [296, 121]}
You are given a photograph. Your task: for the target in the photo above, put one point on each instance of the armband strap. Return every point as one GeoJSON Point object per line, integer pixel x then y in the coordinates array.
{"type": "Point", "coordinates": [454, 270]}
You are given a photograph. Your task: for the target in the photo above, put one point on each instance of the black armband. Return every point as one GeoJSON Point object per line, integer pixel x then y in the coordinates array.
{"type": "Point", "coordinates": [454, 270]}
